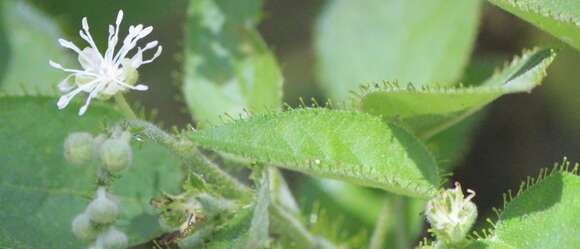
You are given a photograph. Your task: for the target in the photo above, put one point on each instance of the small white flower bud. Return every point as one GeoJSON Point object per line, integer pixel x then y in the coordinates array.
{"type": "Point", "coordinates": [95, 246]}
{"type": "Point", "coordinates": [112, 239]}
{"type": "Point", "coordinates": [78, 148]}
{"type": "Point", "coordinates": [116, 154]}
{"type": "Point", "coordinates": [450, 215]}
{"type": "Point", "coordinates": [83, 228]}
{"type": "Point", "coordinates": [103, 209]}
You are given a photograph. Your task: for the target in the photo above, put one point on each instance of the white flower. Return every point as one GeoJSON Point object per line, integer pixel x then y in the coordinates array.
{"type": "Point", "coordinates": [103, 76]}
{"type": "Point", "coordinates": [451, 215]}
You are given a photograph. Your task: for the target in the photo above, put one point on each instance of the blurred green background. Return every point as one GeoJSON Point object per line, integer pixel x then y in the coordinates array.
{"type": "Point", "coordinates": [515, 137]}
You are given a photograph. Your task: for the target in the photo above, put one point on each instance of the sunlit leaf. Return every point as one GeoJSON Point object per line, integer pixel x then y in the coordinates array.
{"type": "Point", "coordinates": [344, 145]}
{"type": "Point", "coordinates": [561, 18]}
{"type": "Point", "coordinates": [427, 108]}
{"type": "Point", "coordinates": [545, 215]}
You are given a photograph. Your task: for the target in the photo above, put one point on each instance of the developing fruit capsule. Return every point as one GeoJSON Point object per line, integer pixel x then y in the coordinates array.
{"type": "Point", "coordinates": [112, 239]}
{"type": "Point", "coordinates": [116, 154]}
{"type": "Point", "coordinates": [83, 228]}
{"type": "Point", "coordinates": [103, 210]}
{"type": "Point", "coordinates": [78, 148]}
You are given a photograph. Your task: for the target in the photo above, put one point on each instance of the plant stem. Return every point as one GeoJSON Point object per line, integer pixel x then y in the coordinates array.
{"type": "Point", "coordinates": [287, 225]}
{"type": "Point", "coordinates": [401, 229]}
{"type": "Point", "coordinates": [382, 226]}
{"type": "Point", "coordinates": [124, 106]}
{"type": "Point", "coordinates": [193, 158]}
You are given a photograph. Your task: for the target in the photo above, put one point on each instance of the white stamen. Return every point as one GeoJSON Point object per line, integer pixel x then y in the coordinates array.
{"type": "Point", "coordinates": [64, 85]}
{"type": "Point", "coordinates": [157, 54]}
{"type": "Point", "coordinates": [137, 87]}
{"type": "Point", "coordinates": [119, 17]}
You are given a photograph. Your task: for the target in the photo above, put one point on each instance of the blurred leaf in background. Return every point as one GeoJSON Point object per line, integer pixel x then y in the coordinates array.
{"type": "Point", "coordinates": [31, 39]}
{"type": "Point", "coordinates": [410, 41]}
{"type": "Point", "coordinates": [228, 67]}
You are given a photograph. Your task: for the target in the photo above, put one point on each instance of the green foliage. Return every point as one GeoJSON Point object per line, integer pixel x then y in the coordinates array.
{"type": "Point", "coordinates": [345, 145]}
{"type": "Point", "coordinates": [31, 41]}
{"type": "Point", "coordinates": [554, 204]}
{"type": "Point", "coordinates": [427, 108]}
{"type": "Point", "coordinates": [417, 41]}
{"type": "Point", "coordinates": [228, 67]}
{"type": "Point", "coordinates": [561, 18]}
{"type": "Point", "coordinates": [41, 193]}
{"type": "Point", "coordinates": [542, 215]}
{"type": "Point", "coordinates": [249, 228]}
{"type": "Point", "coordinates": [451, 145]}
{"type": "Point", "coordinates": [361, 205]}
{"type": "Point", "coordinates": [420, 47]}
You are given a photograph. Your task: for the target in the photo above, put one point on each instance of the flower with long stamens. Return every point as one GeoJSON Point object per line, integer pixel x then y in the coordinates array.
{"type": "Point", "coordinates": [451, 214]}
{"type": "Point", "coordinates": [105, 75]}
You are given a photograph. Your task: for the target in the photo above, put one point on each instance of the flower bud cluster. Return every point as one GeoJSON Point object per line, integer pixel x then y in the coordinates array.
{"type": "Point", "coordinates": [114, 152]}
{"type": "Point", "coordinates": [451, 215]}
{"type": "Point", "coordinates": [95, 224]}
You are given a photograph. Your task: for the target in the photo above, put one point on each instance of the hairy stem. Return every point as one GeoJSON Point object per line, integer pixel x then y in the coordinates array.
{"type": "Point", "coordinates": [124, 107]}
{"type": "Point", "coordinates": [382, 226]}
{"type": "Point", "coordinates": [193, 158]}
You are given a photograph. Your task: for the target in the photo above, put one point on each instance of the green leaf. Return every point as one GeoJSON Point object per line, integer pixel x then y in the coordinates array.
{"type": "Point", "coordinates": [41, 193]}
{"type": "Point", "coordinates": [344, 145]}
{"type": "Point", "coordinates": [486, 244]}
{"type": "Point", "coordinates": [417, 41]}
{"type": "Point", "coordinates": [544, 215]}
{"type": "Point", "coordinates": [228, 67]}
{"type": "Point", "coordinates": [560, 18]}
{"type": "Point", "coordinates": [32, 41]}
{"type": "Point", "coordinates": [451, 145]}
{"type": "Point", "coordinates": [427, 108]}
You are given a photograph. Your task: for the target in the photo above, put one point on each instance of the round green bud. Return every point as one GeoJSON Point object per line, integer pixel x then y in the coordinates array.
{"type": "Point", "coordinates": [112, 239]}
{"type": "Point", "coordinates": [116, 154]}
{"type": "Point", "coordinates": [83, 228]}
{"type": "Point", "coordinates": [103, 209]}
{"type": "Point", "coordinates": [78, 148]}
